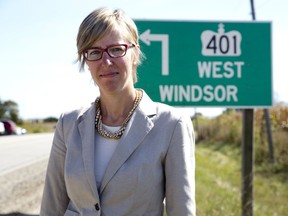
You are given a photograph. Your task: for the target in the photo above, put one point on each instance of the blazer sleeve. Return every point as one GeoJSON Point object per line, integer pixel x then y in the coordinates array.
{"type": "Point", "coordinates": [180, 170]}
{"type": "Point", "coordinates": [55, 198]}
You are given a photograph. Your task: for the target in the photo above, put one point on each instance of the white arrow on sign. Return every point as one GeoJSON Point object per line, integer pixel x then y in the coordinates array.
{"type": "Point", "coordinates": [146, 37]}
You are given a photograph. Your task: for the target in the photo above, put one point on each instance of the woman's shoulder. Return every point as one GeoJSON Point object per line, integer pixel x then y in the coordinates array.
{"type": "Point", "coordinates": [171, 112]}
{"type": "Point", "coordinates": [77, 113]}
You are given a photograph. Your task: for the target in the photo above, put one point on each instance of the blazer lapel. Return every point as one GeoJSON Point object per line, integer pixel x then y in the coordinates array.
{"type": "Point", "coordinates": [87, 133]}
{"type": "Point", "coordinates": [130, 140]}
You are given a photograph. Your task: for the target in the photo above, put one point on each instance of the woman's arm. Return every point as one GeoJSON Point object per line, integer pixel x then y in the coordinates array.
{"type": "Point", "coordinates": [180, 170]}
{"type": "Point", "coordinates": [55, 198]}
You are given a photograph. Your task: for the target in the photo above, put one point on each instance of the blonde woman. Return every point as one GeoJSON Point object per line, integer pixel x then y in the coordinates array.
{"type": "Point", "coordinates": [124, 154]}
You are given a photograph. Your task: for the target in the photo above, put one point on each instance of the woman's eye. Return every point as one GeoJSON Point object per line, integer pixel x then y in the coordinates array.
{"type": "Point", "coordinates": [117, 49]}
{"type": "Point", "coordinates": [95, 52]}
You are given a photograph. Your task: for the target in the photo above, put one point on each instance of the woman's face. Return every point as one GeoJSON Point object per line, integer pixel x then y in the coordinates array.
{"type": "Point", "coordinates": [113, 75]}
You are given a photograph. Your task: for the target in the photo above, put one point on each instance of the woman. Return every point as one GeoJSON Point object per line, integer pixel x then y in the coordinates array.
{"type": "Point", "coordinates": [124, 154]}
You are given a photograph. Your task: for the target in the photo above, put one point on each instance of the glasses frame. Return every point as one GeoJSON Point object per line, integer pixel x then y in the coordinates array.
{"type": "Point", "coordinates": [127, 46]}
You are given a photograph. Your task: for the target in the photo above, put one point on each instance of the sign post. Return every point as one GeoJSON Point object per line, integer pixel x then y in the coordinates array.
{"type": "Point", "coordinates": [247, 162]}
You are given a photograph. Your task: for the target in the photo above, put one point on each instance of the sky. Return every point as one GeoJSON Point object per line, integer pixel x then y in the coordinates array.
{"type": "Point", "coordinates": [38, 46]}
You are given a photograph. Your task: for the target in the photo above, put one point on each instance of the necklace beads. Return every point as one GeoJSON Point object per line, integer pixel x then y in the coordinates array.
{"type": "Point", "coordinates": [117, 135]}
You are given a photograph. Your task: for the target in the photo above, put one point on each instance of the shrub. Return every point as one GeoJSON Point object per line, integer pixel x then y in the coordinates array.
{"type": "Point", "coordinates": [226, 129]}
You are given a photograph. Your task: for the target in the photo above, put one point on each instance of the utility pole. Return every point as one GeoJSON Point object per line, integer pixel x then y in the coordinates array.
{"type": "Point", "coordinates": [269, 135]}
{"type": "Point", "coordinates": [252, 10]}
{"type": "Point", "coordinates": [266, 111]}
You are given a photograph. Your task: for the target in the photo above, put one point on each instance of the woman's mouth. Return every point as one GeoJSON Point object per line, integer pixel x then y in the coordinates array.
{"type": "Point", "coordinates": [109, 74]}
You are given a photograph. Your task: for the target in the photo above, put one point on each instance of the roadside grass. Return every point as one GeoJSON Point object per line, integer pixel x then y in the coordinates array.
{"type": "Point", "coordinates": [218, 184]}
{"type": "Point", "coordinates": [38, 126]}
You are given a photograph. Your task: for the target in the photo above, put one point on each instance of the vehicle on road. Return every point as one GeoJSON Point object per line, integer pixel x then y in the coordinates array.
{"type": "Point", "coordinates": [11, 128]}
{"type": "Point", "coordinates": [2, 128]}
{"type": "Point", "coordinates": [21, 131]}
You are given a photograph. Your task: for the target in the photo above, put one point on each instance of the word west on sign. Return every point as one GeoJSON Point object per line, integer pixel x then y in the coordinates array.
{"type": "Point", "coordinates": [206, 64]}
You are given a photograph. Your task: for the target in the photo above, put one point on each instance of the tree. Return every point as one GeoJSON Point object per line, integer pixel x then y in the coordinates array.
{"type": "Point", "coordinates": [50, 119]}
{"type": "Point", "coordinates": [9, 109]}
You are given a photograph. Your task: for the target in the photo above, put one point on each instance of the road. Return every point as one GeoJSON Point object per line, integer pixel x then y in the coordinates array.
{"type": "Point", "coordinates": [20, 151]}
{"type": "Point", "coordinates": [23, 163]}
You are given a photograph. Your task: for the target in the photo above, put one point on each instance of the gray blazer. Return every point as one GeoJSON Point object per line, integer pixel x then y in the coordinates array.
{"type": "Point", "coordinates": [153, 161]}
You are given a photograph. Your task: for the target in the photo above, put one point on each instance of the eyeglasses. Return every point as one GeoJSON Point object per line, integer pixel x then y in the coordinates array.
{"type": "Point", "coordinates": [114, 51]}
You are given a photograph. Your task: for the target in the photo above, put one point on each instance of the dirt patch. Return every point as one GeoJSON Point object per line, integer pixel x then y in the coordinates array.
{"type": "Point", "coordinates": [21, 190]}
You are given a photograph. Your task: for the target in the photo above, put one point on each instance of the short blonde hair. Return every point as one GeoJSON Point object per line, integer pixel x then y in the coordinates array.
{"type": "Point", "coordinates": [102, 21]}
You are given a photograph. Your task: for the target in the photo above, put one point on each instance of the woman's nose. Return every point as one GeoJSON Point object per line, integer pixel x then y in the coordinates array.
{"type": "Point", "coordinates": [106, 59]}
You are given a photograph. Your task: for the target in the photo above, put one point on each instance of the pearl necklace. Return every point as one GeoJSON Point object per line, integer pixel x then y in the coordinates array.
{"type": "Point", "coordinates": [119, 133]}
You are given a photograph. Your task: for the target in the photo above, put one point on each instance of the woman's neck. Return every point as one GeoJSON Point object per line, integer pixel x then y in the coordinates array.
{"type": "Point", "coordinates": [115, 108]}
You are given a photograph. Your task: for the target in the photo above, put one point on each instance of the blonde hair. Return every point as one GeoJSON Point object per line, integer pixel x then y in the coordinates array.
{"type": "Point", "coordinates": [102, 21]}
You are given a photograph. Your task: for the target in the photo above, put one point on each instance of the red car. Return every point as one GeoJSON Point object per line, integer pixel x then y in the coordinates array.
{"type": "Point", "coordinates": [10, 127]}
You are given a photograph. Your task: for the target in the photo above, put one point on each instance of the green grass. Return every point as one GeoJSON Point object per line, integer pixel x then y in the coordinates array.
{"type": "Point", "coordinates": [218, 185]}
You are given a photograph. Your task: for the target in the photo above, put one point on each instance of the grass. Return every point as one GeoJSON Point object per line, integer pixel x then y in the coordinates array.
{"type": "Point", "coordinates": [38, 126]}
{"type": "Point", "coordinates": [218, 185]}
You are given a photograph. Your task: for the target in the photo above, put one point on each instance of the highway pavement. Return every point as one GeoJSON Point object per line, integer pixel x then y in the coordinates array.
{"type": "Point", "coordinates": [18, 151]}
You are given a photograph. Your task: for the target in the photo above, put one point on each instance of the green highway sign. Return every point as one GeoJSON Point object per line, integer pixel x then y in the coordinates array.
{"type": "Point", "coordinates": [206, 63]}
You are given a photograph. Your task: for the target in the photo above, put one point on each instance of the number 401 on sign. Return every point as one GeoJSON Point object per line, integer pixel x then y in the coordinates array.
{"type": "Point", "coordinates": [221, 43]}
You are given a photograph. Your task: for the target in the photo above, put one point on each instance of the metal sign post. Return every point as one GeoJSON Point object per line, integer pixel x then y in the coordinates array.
{"type": "Point", "coordinates": [247, 162]}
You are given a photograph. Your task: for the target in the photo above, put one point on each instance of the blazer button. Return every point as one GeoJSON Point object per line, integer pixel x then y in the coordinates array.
{"type": "Point", "coordinates": [97, 207]}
